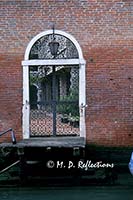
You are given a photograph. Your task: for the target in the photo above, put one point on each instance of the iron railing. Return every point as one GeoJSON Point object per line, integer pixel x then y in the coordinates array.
{"type": "Point", "coordinates": [12, 134]}
{"type": "Point", "coordinates": [9, 167]}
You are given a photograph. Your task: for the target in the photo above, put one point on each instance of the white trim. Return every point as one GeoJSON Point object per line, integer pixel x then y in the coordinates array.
{"type": "Point", "coordinates": [82, 99]}
{"type": "Point", "coordinates": [26, 108]}
{"type": "Point", "coordinates": [26, 63]}
{"type": "Point", "coordinates": [51, 62]}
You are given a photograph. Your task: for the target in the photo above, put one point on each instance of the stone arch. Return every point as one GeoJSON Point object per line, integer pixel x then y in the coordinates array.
{"type": "Point", "coordinates": [48, 32]}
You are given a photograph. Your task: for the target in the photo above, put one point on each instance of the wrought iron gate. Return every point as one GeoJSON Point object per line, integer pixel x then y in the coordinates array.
{"type": "Point", "coordinates": [54, 100]}
{"type": "Point", "coordinates": [54, 90]}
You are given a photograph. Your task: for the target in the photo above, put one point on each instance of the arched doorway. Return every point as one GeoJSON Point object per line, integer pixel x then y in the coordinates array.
{"type": "Point", "coordinates": [60, 79]}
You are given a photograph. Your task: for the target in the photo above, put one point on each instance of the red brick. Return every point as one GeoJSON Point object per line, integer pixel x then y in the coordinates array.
{"type": "Point", "coordinates": [103, 30]}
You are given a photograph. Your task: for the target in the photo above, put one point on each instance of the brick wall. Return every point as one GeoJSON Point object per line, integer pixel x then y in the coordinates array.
{"type": "Point", "coordinates": [103, 30]}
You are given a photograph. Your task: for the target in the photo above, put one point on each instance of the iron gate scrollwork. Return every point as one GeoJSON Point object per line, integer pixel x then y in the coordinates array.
{"type": "Point", "coordinates": [41, 48]}
{"type": "Point", "coordinates": [54, 91]}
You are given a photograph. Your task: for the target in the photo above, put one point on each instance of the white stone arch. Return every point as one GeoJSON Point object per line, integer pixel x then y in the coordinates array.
{"type": "Point", "coordinates": [82, 80]}
{"type": "Point", "coordinates": [48, 32]}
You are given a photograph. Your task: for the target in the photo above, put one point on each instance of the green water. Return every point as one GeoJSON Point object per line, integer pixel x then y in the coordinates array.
{"type": "Point", "coordinates": [122, 190]}
{"type": "Point", "coordinates": [67, 193]}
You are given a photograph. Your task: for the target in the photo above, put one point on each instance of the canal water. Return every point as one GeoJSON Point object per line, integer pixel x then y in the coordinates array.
{"type": "Point", "coordinates": [122, 190]}
{"type": "Point", "coordinates": [67, 193]}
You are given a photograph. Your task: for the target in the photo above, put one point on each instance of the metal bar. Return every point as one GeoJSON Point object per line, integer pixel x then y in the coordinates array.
{"type": "Point", "coordinates": [57, 102]}
{"type": "Point", "coordinates": [12, 134]}
{"type": "Point", "coordinates": [54, 100]}
{"type": "Point", "coordinates": [10, 166]}
{"type": "Point", "coordinates": [4, 132]}
{"type": "Point", "coordinates": [13, 137]}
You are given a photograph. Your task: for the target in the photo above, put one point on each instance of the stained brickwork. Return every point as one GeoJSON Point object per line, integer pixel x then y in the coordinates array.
{"type": "Point", "coordinates": [103, 30]}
